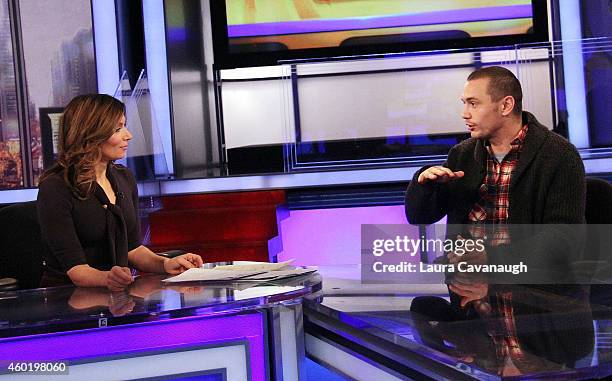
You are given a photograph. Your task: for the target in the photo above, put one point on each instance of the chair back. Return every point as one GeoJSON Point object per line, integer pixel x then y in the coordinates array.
{"type": "Point", "coordinates": [21, 246]}
{"type": "Point", "coordinates": [599, 211]}
{"type": "Point", "coordinates": [598, 201]}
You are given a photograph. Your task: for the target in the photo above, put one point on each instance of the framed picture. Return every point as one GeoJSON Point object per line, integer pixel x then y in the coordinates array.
{"type": "Point", "coordinates": [49, 131]}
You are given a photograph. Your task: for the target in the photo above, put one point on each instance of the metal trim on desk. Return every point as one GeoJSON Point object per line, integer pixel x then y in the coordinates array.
{"type": "Point", "coordinates": [287, 352]}
{"type": "Point", "coordinates": [399, 359]}
{"type": "Point", "coordinates": [341, 360]}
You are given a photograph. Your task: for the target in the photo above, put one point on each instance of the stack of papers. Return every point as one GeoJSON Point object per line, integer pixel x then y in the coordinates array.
{"type": "Point", "coordinates": [241, 271]}
{"type": "Point", "coordinates": [275, 275]}
{"type": "Point", "coordinates": [254, 266]}
{"type": "Point", "coordinates": [199, 275]}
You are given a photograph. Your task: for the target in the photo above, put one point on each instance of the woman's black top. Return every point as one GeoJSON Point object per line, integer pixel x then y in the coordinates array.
{"type": "Point", "coordinates": [91, 231]}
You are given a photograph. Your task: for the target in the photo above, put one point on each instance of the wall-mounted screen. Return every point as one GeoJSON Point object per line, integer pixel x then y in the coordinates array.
{"type": "Point", "coordinates": [263, 32]}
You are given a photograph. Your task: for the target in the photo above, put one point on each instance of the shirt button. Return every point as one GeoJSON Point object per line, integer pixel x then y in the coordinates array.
{"type": "Point", "coordinates": [105, 206]}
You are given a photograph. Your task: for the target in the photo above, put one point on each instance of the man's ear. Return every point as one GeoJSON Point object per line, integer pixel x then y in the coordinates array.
{"type": "Point", "coordinates": [507, 105]}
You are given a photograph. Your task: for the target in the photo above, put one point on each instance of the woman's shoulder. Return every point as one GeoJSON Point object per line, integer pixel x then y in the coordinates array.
{"type": "Point", "coordinates": [52, 180]}
{"type": "Point", "coordinates": [54, 185]}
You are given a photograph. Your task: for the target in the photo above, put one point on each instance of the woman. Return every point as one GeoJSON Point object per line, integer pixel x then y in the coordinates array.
{"type": "Point", "coordinates": [88, 205]}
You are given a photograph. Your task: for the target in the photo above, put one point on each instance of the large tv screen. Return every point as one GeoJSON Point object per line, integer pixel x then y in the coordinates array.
{"type": "Point", "coordinates": [264, 32]}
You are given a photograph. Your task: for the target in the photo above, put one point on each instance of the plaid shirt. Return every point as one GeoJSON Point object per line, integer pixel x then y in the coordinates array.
{"type": "Point", "coordinates": [492, 208]}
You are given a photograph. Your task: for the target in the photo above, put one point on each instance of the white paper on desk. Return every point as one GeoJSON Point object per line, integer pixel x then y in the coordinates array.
{"type": "Point", "coordinates": [275, 275]}
{"type": "Point", "coordinates": [257, 292]}
{"type": "Point", "coordinates": [200, 275]}
{"type": "Point", "coordinates": [254, 266]}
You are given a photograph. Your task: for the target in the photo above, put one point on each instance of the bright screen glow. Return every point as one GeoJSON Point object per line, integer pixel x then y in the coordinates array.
{"type": "Point", "coordinates": [280, 25]}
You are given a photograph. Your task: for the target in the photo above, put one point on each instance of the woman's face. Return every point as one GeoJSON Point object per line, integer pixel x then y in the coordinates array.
{"type": "Point", "coordinates": [116, 146]}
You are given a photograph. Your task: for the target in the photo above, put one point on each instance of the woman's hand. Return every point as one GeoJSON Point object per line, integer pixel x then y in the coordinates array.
{"type": "Point", "coordinates": [120, 303]}
{"type": "Point", "coordinates": [181, 263]}
{"type": "Point", "coordinates": [118, 278]}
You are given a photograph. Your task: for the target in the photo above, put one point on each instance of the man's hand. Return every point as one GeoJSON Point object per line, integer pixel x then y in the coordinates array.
{"type": "Point", "coordinates": [118, 278]}
{"type": "Point", "coordinates": [470, 286]}
{"type": "Point", "coordinates": [469, 291]}
{"type": "Point", "coordinates": [471, 257]}
{"type": "Point", "coordinates": [439, 174]}
{"type": "Point", "coordinates": [181, 263]}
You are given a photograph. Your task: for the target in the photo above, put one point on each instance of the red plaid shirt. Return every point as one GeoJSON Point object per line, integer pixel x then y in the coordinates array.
{"type": "Point", "coordinates": [492, 208]}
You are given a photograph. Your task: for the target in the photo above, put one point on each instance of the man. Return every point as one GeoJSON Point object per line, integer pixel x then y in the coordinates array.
{"type": "Point", "coordinates": [512, 170]}
{"type": "Point", "coordinates": [540, 176]}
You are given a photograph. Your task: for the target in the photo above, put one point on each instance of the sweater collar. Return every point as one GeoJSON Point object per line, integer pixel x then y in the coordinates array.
{"type": "Point", "coordinates": [535, 137]}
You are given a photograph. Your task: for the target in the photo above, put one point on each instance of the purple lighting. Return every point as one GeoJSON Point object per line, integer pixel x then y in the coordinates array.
{"type": "Point", "coordinates": [428, 18]}
{"type": "Point", "coordinates": [142, 339]}
{"type": "Point", "coordinates": [332, 236]}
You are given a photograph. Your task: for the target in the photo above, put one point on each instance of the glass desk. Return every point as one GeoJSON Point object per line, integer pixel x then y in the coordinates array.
{"type": "Point", "coordinates": [369, 331]}
{"type": "Point", "coordinates": [208, 331]}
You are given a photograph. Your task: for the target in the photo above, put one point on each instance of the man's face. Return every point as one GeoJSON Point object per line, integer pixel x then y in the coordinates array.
{"type": "Point", "coordinates": [483, 117]}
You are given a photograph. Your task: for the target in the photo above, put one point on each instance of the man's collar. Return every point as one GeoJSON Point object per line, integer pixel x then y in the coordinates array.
{"type": "Point", "coordinates": [534, 138]}
{"type": "Point", "coordinates": [518, 140]}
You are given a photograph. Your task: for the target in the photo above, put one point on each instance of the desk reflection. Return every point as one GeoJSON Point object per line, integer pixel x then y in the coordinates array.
{"type": "Point", "coordinates": [533, 332]}
{"type": "Point", "coordinates": [120, 303]}
{"type": "Point", "coordinates": [147, 298]}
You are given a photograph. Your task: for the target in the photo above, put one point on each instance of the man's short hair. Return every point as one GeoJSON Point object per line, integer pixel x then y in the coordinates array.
{"type": "Point", "coordinates": [502, 82]}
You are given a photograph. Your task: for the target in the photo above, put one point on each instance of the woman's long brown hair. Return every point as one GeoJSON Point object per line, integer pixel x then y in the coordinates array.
{"type": "Point", "coordinates": [87, 122]}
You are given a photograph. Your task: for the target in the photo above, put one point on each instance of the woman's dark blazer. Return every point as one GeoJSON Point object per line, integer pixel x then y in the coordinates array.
{"type": "Point", "coordinates": [91, 231]}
